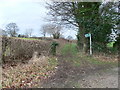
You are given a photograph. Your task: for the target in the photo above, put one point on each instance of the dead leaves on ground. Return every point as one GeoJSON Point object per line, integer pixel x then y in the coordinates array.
{"type": "Point", "coordinates": [26, 76]}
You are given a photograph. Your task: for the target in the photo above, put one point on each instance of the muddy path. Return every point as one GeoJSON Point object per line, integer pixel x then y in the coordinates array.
{"type": "Point", "coordinates": [68, 76]}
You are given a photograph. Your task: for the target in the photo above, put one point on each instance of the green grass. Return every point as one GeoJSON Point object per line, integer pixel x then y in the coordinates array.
{"type": "Point", "coordinates": [77, 59]}
{"type": "Point", "coordinates": [95, 61]}
{"type": "Point", "coordinates": [71, 53]}
{"type": "Point", "coordinates": [69, 49]}
{"type": "Point", "coordinates": [110, 44]}
{"type": "Point", "coordinates": [26, 38]}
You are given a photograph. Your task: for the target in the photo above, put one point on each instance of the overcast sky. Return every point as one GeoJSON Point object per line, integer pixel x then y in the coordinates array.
{"type": "Point", "coordinates": [26, 14]}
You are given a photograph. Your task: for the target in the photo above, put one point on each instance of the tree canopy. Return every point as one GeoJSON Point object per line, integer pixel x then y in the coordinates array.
{"type": "Point", "coordinates": [88, 17]}
{"type": "Point", "coordinates": [12, 29]}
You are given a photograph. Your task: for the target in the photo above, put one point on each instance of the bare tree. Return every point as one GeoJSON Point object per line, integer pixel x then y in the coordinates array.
{"type": "Point", "coordinates": [85, 16]}
{"type": "Point", "coordinates": [3, 32]}
{"type": "Point", "coordinates": [44, 30]}
{"type": "Point", "coordinates": [52, 29]}
{"type": "Point", "coordinates": [12, 29]}
{"type": "Point", "coordinates": [28, 32]}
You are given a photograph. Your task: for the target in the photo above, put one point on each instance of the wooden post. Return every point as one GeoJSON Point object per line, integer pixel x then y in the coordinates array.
{"type": "Point", "coordinates": [90, 45]}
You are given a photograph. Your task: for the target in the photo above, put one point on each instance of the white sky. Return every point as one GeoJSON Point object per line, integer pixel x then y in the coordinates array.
{"type": "Point", "coordinates": [26, 14]}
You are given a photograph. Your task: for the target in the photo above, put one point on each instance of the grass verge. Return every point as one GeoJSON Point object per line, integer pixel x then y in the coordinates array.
{"type": "Point", "coordinates": [77, 59]}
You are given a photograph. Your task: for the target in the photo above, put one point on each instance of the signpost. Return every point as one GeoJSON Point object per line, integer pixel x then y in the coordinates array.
{"type": "Point", "coordinates": [89, 35]}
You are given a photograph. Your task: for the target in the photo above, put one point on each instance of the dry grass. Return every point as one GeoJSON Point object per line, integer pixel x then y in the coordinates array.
{"type": "Point", "coordinates": [110, 58]}
{"type": "Point", "coordinates": [39, 60]}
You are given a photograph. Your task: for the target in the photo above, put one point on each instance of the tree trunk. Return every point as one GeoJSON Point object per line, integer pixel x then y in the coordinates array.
{"type": "Point", "coordinates": [118, 47]}
{"type": "Point", "coordinates": [82, 40]}
{"type": "Point", "coordinates": [44, 36]}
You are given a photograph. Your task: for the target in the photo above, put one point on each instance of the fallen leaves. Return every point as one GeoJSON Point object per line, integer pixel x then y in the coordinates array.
{"type": "Point", "coordinates": [26, 75]}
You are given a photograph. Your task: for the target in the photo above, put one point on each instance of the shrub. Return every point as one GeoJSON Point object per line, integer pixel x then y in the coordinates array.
{"type": "Point", "coordinates": [53, 48]}
{"type": "Point", "coordinates": [16, 48]}
{"type": "Point", "coordinates": [108, 49]}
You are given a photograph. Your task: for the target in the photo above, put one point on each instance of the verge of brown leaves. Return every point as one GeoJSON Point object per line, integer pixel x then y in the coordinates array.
{"type": "Point", "coordinates": [27, 75]}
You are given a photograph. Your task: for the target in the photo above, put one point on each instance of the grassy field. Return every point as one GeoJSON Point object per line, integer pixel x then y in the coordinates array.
{"type": "Point", "coordinates": [26, 38]}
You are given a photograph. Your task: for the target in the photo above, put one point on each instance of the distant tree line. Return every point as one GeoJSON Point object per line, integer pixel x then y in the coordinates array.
{"type": "Point", "coordinates": [12, 30]}
{"type": "Point", "coordinates": [51, 29]}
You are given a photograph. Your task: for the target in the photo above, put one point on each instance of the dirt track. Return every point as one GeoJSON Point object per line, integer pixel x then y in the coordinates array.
{"type": "Point", "coordinates": [74, 77]}
{"type": "Point", "coordinates": [101, 79]}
